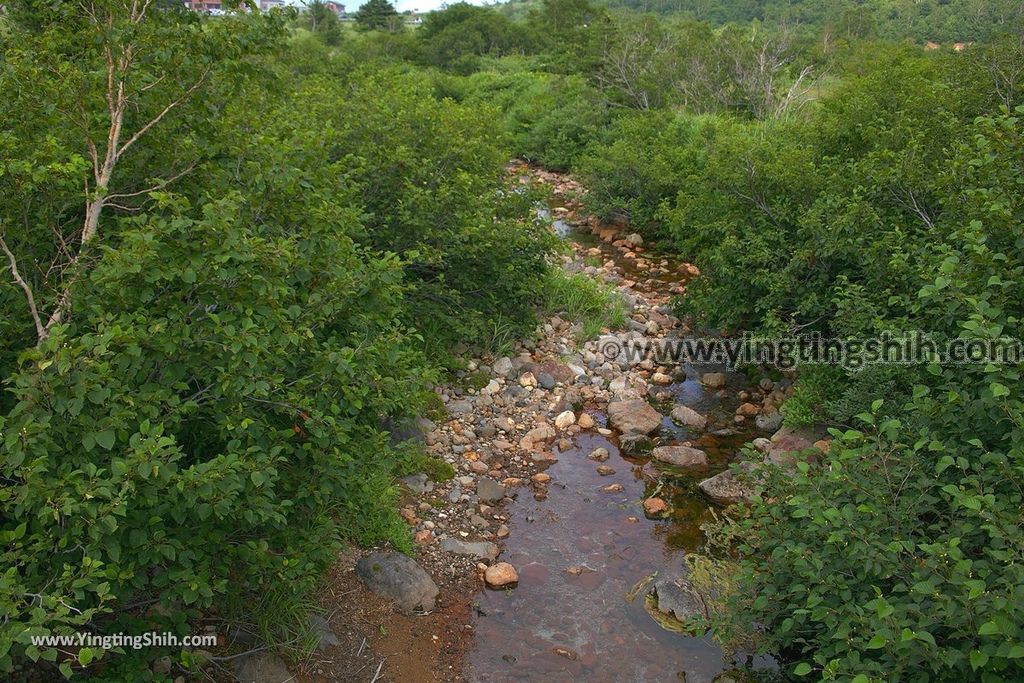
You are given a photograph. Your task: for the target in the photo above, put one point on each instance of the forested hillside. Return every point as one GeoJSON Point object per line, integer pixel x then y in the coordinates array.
{"type": "Point", "coordinates": [240, 252]}
{"type": "Point", "coordinates": [919, 20]}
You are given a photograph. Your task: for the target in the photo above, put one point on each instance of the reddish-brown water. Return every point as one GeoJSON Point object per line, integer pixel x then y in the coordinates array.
{"type": "Point", "coordinates": [581, 550]}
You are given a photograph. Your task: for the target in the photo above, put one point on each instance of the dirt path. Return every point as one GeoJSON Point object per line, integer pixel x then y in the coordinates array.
{"type": "Point", "coordinates": [522, 432]}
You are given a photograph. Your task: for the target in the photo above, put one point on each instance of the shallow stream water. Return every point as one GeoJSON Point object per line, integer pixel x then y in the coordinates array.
{"type": "Point", "coordinates": [580, 551]}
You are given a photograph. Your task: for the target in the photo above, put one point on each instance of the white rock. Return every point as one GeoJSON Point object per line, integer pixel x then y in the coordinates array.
{"type": "Point", "coordinates": [503, 366]}
{"type": "Point", "coordinates": [565, 419]}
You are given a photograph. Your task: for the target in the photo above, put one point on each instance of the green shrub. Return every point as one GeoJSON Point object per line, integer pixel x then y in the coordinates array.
{"type": "Point", "coordinates": [472, 255]}
{"type": "Point", "coordinates": [639, 163]}
{"type": "Point", "coordinates": [550, 119]}
{"type": "Point", "coordinates": [817, 224]}
{"type": "Point", "coordinates": [458, 36]}
{"type": "Point", "coordinates": [207, 424]}
{"type": "Point", "coordinates": [899, 561]}
{"type": "Point", "coordinates": [899, 558]}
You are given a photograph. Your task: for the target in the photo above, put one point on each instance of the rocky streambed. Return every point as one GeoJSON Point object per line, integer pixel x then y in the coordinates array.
{"type": "Point", "coordinates": [556, 551]}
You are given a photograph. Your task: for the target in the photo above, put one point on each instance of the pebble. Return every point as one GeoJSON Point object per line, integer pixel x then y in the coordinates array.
{"type": "Point", "coordinates": [500, 575]}
{"type": "Point", "coordinates": [565, 419]}
{"type": "Point", "coordinates": [655, 506]}
{"type": "Point", "coordinates": [747, 410]}
{"type": "Point", "coordinates": [713, 380]}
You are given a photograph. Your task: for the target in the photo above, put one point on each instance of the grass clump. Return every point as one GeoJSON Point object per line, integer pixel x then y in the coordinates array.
{"type": "Point", "coordinates": [580, 299]}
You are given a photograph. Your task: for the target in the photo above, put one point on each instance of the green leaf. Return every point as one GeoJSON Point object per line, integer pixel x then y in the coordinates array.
{"type": "Point", "coordinates": [105, 438]}
{"type": "Point", "coordinates": [802, 669]}
{"type": "Point", "coordinates": [976, 586]}
{"type": "Point", "coordinates": [877, 642]}
{"type": "Point", "coordinates": [989, 628]}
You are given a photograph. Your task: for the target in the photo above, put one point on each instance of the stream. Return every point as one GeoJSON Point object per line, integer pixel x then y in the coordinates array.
{"type": "Point", "coordinates": [580, 550]}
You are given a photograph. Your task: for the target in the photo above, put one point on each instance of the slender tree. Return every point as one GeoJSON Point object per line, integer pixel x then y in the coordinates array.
{"type": "Point", "coordinates": [90, 84]}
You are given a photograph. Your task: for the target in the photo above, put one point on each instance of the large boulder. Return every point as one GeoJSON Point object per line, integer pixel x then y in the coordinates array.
{"type": "Point", "coordinates": [635, 416]}
{"type": "Point", "coordinates": [501, 575]}
{"type": "Point", "coordinates": [460, 407]}
{"type": "Point", "coordinates": [725, 488]}
{"type": "Point", "coordinates": [687, 416]}
{"type": "Point", "coordinates": [559, 372]}
{"type": "Point", "coordinates": [680, 456]}
{"type": "Point", "coordinates": [321, 630]}
{"type": "Point", "coordinates": [768, 421]}
{"type": "Point", "coordinates": [398, 577]}
{"type": "Point", "coordinates": [503, 366]}
{"type": "Point", "coordinates": [418, 483]}
{"type": "Point", "coordinates": [679, 598]}
{"type": "Point", "coordinates": [787, 442]}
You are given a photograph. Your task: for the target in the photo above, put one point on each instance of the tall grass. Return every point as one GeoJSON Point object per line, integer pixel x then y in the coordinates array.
{"type": "Point", "coordinates": [580, 299]}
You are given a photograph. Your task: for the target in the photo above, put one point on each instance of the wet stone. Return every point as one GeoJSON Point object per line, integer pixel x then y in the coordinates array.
{"type": "Point", "coordinates": [489, 491]}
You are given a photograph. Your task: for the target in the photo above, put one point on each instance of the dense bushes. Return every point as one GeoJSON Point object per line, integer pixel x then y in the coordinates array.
{"type": "Point", "coordinates": [640, 162]}
{"type": "Point", "coordinates": [891, 204]}
{"type": "Point", "coordinates": [470, 253]}
{"type": "Point", "coordinates": [901, 558]}
{"type": "Point", "coordinates": [817, 224]}
{"type": "Point", "coordinates": [206, 421]}
{"type": "Point", "coordinates": [459, 36]}
{"type": "Point", "coordinates": [551, 119]}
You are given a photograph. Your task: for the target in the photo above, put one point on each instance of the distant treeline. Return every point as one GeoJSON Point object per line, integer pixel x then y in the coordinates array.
{"type": "Point", "coordinates": [940, 21]}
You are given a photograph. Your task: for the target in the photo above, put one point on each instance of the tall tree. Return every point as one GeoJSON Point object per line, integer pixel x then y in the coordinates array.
{"type": "Point", "coordinates": [378, 14]}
